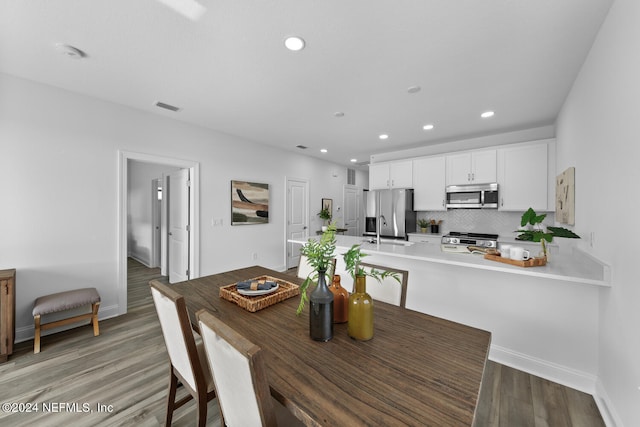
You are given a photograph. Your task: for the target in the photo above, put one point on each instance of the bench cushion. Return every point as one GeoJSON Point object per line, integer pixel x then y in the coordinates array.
{"type": "Point", "coordinates": [65, 301]}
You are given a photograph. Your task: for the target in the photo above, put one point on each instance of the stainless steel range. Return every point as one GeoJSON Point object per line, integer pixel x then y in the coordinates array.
{"type": "Point", "coordinates": [469, 242]}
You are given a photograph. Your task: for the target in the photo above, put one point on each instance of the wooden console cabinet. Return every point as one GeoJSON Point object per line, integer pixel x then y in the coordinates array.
{"type": "Point", "coordinates": [7, 312]}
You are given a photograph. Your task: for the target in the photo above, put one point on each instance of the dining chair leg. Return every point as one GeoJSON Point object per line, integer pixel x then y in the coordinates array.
{"type": "Point", "coordinates": [202, 410]}
{"type": "Point", "coordinates": [171, 397]}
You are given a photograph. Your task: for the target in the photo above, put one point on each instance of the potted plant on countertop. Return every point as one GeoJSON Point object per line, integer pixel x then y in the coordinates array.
{"type": "Point", "coordinates": [538, 232]}
{"type": "Point", "coordinates": [423, 224]}
{"type": "Point", "coordinates": [320, 254]}
{"type": "Point", "coordinates": [325, 215]}
{"type": "Point", "coordinates": [360, 323]}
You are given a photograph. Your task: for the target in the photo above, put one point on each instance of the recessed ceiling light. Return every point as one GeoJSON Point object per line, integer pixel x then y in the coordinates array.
{"type": "Point", "coordinates": [323, 150]}
{"type": "Point", "coordinates": [414, 89]}
{"type": "Point", "coordinates": [487, 114]}
{"type": "Point", "coordinates": [294, 43]}
{"type": "Point", "coordinates": [354, 160]}
{"type": "Point", "coordinates": [427, 127]}
{"type": "Point", "coordinates": [384, 136]}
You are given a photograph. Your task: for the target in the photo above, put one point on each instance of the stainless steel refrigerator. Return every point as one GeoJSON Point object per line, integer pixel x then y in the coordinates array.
{"type": "Point", "coordinates": [392, 211]}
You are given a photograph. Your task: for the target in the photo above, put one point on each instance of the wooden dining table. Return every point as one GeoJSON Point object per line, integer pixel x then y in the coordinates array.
{"type": "Point", "coordinates": [417, 370]}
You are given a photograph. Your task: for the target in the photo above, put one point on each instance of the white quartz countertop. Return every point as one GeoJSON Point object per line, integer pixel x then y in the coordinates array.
{"type": "Point", "coordinates": [578, 266]}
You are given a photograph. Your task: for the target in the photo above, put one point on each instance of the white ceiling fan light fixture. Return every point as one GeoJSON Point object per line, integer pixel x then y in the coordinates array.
{"type": "Point", "coordinates": [190, 9]}
{"type": "Point", "coordinates": [487, 114]}
{"type": "Point", "coordinates": [70, 51]}
{"type": "Point", "coordinates": [294, 43]}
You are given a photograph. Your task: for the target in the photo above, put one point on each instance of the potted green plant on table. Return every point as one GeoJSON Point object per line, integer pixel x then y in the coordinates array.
{"type": "Point", "coordinates": [423, 224]}
{"type": "Point", "coordinates": [319, 255]}
{"type": "Point", "coordinates": [538, 232]}
{"type": "Point", "coordinates": [360, 323]}
{"type": "Point", "coordinates": [325, 215]}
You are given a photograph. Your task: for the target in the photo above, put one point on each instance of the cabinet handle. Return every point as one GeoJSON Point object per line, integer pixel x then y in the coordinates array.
{"type": "Point", "coordinates": [501, 201]}
{"type": "Point", "coordinates": [473, 177]}
{"type": "Point", "coordinates": [468, 177]}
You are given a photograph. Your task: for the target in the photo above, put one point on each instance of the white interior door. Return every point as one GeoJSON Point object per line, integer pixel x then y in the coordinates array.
{"type": "Point", "coordinates": [178, 248]}
{"type": "Point", "coordinates": [297, 217]}
{"type": "Point", "coordinates": [352, 207]}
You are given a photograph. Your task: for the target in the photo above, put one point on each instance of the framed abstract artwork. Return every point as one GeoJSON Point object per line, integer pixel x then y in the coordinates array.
{"type": "Point", "coordinates": [249, 203]}
{"type": "Point", "coordinates": [565, 197]}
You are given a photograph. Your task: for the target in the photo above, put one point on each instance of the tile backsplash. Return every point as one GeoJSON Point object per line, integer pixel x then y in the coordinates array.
{"type": "Point", "coordinates": [491, 221]}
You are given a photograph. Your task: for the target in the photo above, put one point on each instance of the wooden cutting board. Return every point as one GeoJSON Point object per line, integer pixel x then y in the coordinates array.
{"type": "Point", "coordinates": [531, 262]}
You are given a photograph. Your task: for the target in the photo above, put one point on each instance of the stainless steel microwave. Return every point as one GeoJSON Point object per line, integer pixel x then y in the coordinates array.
{"type": "Point", "coordinates": [473, 196]}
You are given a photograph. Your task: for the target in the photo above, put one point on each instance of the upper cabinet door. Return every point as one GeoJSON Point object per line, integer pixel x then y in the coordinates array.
{"type": "Point", "coordinates": [401, 174]}
{"type": "Point", "coordinates": [459, 169]}
{"type": "Point", "coordinates": [523, 178]}
{"type": "Point", "coordinates": [475, 167]}
{"type": "Point", "coordinates": [483, 167]}
{"type": "Point", "coordinates": [391, 175]}
{"type": "Point", "coordinates": [429, 184]}
{"type": "Point", "coordinates": [379, 176]}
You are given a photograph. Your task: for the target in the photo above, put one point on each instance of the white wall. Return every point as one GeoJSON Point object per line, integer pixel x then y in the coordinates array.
{"type": "Point", "coordinates": [598, 133]}
{"type": "Point", "coordinates": [59, 180]}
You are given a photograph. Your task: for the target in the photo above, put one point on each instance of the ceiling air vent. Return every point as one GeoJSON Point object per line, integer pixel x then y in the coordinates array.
{"type": "Point", "coordinates": [167, 106]}
{"type": "Point", "coordinates": [302, 147]}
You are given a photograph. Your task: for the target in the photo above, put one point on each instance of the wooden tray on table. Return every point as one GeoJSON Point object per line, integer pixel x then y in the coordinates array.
{"type": "Point", "coordinates": [254, 303]}
{"type": "Point", "coordinates": [531, 262]}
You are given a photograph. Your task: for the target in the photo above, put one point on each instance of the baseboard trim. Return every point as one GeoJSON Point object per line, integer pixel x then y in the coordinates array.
{"type": "Point", "coordinates": [605, 406]}
{"type": "Point", "coordinates": [26, 333]}
{"type": "Point", "coordinates": [560, 374]}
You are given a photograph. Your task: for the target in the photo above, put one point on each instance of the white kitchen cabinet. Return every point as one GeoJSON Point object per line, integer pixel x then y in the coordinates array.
{"type": "Point", "coordinates": [474, 167]}
{"type": "Point", "coordinates": [523, 177]}
{"type": "Point", "coordinates": [391, 175]}
{"type": "Point", "coordinates": [429, 184]}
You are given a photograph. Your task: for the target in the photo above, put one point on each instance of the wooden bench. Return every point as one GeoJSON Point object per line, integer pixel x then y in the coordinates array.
{"type": "Point", "coordinates": [63, 301]}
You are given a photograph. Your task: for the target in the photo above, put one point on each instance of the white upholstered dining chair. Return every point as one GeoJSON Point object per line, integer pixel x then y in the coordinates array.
{"type": "Point", "coordinates": [305, 269]}
{"type": "Point", "coordinates": [240, 377]}
{"type": "Point", "coordinates": [187, 356]}
{"type": "Point", "coordinates": [388, 290]}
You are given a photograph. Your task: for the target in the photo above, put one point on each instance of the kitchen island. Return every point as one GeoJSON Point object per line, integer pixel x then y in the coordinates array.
{"type": "Point", "coordinates": [544, 320]}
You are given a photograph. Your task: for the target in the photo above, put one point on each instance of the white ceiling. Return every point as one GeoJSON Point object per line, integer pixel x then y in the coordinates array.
{"type": "Point", "coordinates": [229, 70]}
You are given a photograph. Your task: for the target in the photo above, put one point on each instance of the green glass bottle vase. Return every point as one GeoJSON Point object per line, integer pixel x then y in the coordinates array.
{"type": "Point", "coordinates": [360, 326]}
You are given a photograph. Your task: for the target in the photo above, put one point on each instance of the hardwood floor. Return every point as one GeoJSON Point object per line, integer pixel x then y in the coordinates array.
{"type": "Point", "coordinates": [127, 367]}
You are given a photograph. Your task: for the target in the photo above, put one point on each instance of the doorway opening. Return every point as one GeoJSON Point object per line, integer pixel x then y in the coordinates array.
{"type": "Point", "coordinates": [297, 218]}
{"type": "Point", "coordinates": [189, 197]}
